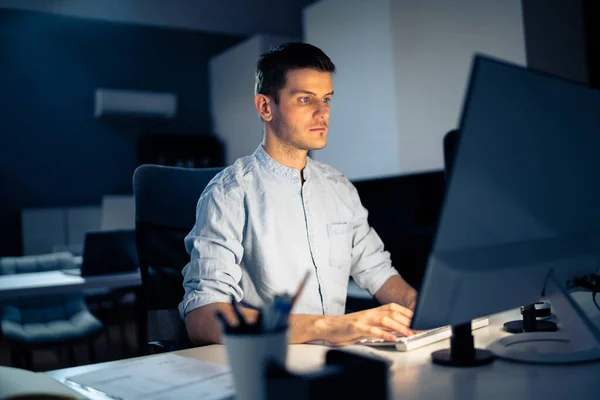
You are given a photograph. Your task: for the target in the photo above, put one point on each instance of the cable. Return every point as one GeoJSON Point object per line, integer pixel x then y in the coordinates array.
{"type": "Point", "coordinates": [590, 282]}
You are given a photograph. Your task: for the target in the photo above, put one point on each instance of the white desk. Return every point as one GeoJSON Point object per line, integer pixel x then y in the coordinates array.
{"type": "Point", "coordinates": [414, 376]}
{"type": "Point", "coordinates": [57, 282]}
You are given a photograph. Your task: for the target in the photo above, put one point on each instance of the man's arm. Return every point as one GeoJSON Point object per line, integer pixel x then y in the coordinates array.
{"type": "Point", "coordinates": [372, 267]}
{"type": "Point", "coordinates": [397, 290]}
{"type": "Point", "coordinates": [204, 328]}
{"type": "Point", "coordinates": [213, 274]}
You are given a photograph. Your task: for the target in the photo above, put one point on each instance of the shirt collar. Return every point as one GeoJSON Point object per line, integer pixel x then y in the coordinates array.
{"type": "Point", "coordinates": [292, 174]}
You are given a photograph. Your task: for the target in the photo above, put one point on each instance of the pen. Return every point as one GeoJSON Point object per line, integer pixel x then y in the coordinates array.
{"type": "Point", "coordinates": [242, 321]}
{"type": "Point", "coordinates": [300, 288]}
{"type": "Point", "coordinates": [224, 324]}
{"type": "Point", "coordinates": [282, 306]}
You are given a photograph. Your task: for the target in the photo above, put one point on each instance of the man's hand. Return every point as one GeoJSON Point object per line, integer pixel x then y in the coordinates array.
{"type": "Point", "coordinates": [203, 327]}
{"type": "Point", "coordinates": [377, 322]}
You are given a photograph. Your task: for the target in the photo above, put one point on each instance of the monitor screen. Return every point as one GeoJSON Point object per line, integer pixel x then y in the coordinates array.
{"type": "Point", "coordinates": [523, 198]}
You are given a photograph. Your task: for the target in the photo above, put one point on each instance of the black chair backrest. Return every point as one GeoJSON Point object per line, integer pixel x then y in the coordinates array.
{"type": "Point", "coordinates": [404, 210]}
{"type": "Point", "coordinates": [450, 147]}
{"type": "Point", "coordinates": [165, 211]}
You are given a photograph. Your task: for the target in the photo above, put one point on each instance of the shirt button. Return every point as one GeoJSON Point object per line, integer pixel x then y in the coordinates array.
{"type": "Point", "coordinates": [311, 238]}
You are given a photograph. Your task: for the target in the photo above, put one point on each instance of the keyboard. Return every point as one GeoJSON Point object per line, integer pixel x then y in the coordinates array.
{"type": "Point", "coordinates": [423, 338]}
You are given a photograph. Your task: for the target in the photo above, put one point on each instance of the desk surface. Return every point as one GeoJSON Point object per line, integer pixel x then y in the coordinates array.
{"type": "Point", "coordinates": [414, 376]}
{"type": "Point", "coordinates": [52, 282]}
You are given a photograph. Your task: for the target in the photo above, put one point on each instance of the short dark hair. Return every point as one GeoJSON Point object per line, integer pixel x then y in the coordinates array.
{"type": "Point", "coordinates": [272, 67]}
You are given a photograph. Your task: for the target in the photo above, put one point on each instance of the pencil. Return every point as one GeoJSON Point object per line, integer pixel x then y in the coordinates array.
{"type": "Point", "coordinates": [300, 288]}
{"type": "Point", "coordinates": [238, 313]}
{"type": "Point", "coordinates": [224, 324]}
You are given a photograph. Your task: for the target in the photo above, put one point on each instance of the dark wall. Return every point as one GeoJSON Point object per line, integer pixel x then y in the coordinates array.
{"type": "Point", "coordinates": [562, 38]}
{"type": "Point", "coordinates": [53, 152]}
{"type": "Point", "coordinates": [591, 15]}
{"type": "Point", "coordinates": [555, 38]}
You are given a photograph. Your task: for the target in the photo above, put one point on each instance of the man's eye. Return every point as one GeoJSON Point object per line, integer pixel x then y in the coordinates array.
{"type": "Point", "coordinates": [327, 100]}
{"type": "Point", "coordinates": [305, 99]}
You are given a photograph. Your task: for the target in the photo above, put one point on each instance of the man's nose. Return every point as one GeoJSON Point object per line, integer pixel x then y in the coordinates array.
{"type": "Point", "coordinates": [322, 110]}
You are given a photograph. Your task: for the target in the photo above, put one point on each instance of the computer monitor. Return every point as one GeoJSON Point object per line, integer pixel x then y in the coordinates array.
{"type": "Point", "coordinates": [109, 252]}
{"type": "Point", "coordinates": [523, 200]}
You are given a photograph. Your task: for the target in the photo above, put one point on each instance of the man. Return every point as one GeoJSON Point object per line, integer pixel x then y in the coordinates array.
{"type": "Point", "coordinates": [269, 218]}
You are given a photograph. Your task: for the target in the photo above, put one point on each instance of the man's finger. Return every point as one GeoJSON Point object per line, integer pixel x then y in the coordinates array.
{"type": "Point", "coordinates": [390, 320]}
{"type": "Point", "coordinates": [391, 323]}
{"type": "Point", "coordinates": [404, 320]}
{"type": "Point", "coordinates": [378, 332]}
{"type": "Point", "coordinates": [399, 309]}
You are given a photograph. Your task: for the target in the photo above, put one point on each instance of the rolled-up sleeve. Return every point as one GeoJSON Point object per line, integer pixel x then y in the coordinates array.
{"type": "Point", "coordinates": [371, 264]}
{"type": "Point", "coordinates": [215, 247]}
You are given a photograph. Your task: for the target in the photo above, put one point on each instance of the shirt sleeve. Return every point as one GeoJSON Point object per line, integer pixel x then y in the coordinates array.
{"type": "Point", "coordinates": [215, 247]}
{"type": "Point", "coordinates": [371, 264]}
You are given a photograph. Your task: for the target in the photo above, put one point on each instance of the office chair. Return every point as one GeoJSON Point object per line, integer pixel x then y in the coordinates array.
{"type": "Point", "coordinates": [450, 147]}
{"type": "Point", "coordinates": [165, 212]}
{"type": "Point", "coordinates": [36, 321]}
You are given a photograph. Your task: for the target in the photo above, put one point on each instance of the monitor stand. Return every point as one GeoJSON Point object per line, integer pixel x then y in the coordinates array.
{"type": "Point", "coordinates": [530, 323]}
{"type": "Point", "coordinates": [579, 341]}
{"type": "Point", "coordinates": [462, 351]}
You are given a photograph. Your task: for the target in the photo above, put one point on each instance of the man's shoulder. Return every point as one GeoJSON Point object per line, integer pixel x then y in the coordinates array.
{"type": "Point", "coordinates": [234, 179]}
{"type": "Point", "coordinates": [329, 173]}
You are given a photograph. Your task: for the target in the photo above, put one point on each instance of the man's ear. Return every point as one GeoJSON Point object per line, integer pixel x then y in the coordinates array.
{"type": "Point", "coordinates": [263, 106]}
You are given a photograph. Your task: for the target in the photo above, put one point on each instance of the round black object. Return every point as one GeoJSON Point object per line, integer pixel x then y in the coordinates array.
{"type": "Point", "coordinates": [541, 326]}
{"type": "Point", "coordinates": [542, 310]}
{"type": "Point", "coordinates": [444, 357]}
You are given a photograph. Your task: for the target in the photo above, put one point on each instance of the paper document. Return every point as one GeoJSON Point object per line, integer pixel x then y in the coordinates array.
{"type": "Point", "coordinates": [165, 376]}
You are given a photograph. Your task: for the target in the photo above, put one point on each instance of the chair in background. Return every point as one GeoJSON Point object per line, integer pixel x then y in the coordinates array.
{"type": "Point", "coordinates": [35, 321]}
{"type": "Point", "coordinates": [403, 210]}
{"type": "Point", "coordinates": [450, 147]}
{"type": "Point", "coordinates": [165, 212]}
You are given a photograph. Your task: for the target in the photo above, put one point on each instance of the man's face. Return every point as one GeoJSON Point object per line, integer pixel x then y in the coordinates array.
{"type": "Point", "coordinates": [300, 119]}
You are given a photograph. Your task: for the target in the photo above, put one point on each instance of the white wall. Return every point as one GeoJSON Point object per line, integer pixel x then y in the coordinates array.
{"type": "Point", "coordinates": [243, 17]}
{"type": "Point", "coordinates": [402, 72]}
{"type": "Point", "coordinates": [363, 131]}
{"type": "Point", "coordinates": [434, 42]}
{"type": "Point", "coordinates": [232, 110]}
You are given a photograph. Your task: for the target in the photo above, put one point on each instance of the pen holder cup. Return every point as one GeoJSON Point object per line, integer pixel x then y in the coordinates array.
{"type": "Point", "coordinates": [248, 355]}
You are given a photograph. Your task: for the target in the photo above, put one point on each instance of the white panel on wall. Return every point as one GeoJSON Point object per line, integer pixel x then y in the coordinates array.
{"type": "Point", "coordinates": [117, 212]}
{"type": "Point", "coordinates": [79, 221]}
{"type": "Point", "coordinates": [234, 116]}
{"type": "Point", "coordinates": [402, 73]}
{"type": "Point", "coordinates": [47, 230]}
{"type": "Point", "coordinates": [42, 229]}
{"type": "Point", "coordinates": [357, 36]}
{"type": "Point", "coordinates": [134, 103]}
{"type": "Point", "coordinates": [434, 43]}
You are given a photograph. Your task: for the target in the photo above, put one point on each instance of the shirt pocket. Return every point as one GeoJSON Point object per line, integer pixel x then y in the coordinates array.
{"type": "Point", "coordinates": [340, 244]}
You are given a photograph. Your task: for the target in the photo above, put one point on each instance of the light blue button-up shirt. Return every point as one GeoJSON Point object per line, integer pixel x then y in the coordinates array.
{"type": "Point", "coordinates": [259, 230]}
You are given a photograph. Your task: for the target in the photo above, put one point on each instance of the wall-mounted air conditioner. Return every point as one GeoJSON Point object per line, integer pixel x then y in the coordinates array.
{"type": "Point", "coordinates": [134, 103]}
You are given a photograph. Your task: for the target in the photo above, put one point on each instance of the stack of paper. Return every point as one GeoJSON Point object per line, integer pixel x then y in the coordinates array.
{"type": "Point", "coordinates": [166, 376]}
